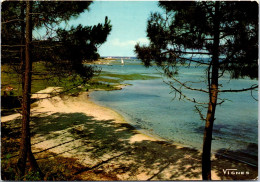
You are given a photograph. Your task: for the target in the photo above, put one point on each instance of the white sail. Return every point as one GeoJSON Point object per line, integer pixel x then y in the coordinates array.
{"type": "Point", "coordinates": [122, 61]}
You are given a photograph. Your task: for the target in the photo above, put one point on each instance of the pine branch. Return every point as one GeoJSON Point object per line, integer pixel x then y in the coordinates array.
{"type": "Point", "coordinates": [191, 60]}
{"type": "Point", "coordinates": [187, 87]}
{"type": "Point", "coordinates": [200, 113]}
{"type": "Point", "coordinates": [12, 45]}
{"type": "Point", "coordinates": [240, 90]}
{"type": "Point", "coordinates": [178, 90]}
{"type": "Point", "coordinates": [12, 21]}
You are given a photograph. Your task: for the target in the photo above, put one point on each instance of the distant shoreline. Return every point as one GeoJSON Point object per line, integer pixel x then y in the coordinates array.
{"type": "Point", "coordinates": [107, 60]}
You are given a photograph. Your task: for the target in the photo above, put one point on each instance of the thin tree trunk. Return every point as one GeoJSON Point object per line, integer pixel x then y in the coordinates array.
{"type": "Point", "coordinates": [22, 16]}
{"type": "Point", "coordinates": [207, 139]}
{"type": "Point", "coordinates": [25, 143]}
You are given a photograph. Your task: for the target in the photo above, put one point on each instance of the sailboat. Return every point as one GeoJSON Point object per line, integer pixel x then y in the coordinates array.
{"type": "Point", "coordinates": [122, 61]}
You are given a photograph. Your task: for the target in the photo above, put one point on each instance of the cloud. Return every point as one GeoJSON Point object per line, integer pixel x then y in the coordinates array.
{"type": "Point", "coordinates": [119, 43]}
{"type": "Point", "coordinates": [143, 41]}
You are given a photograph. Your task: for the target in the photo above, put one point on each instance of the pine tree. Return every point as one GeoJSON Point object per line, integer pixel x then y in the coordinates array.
{"type": "Point", "coordinates": [224, 32]}
{"type": "Point", "coordinates": [64, 50]}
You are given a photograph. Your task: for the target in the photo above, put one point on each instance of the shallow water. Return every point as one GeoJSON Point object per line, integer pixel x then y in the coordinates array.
{"type": "Point", "coordinates": [148, 105]}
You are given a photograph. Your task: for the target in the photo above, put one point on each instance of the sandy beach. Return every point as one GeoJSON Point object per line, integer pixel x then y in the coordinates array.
{"type": "Point", "coordinates": [107, 146]}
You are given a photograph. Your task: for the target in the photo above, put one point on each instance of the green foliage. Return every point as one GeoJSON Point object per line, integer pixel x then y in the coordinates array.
{"type": "Point", "coordinates": [45, 14]}
{"type": "Point", "coordinates": [41, 79]}
{"type": "Point", "coordinates": [7, 169]}
{"type": "Point", "coordinates": [186, 30]}
{"type": "Point", "coordinates": [123, 77]}
{"type": "Point", "coordinates": [79, 44]}
{"type": "Point", "coordinates": [63, 49]}
{"type": "Point", "coordinates": [57, 11]}
{"type": "Point", "coordinates": [9, 148]}
{"type": "Point", "coordinates": [32, 176]}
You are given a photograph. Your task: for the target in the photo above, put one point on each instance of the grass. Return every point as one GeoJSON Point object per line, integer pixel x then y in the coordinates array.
{"type": "Point", "coordinates": [42, 79]}
{"type": "Point", "coordinates": [133, 76]}
{"type": "Point", "coordinates": [112, 78]}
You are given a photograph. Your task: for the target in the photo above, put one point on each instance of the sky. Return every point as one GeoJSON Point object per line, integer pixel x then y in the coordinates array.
{"type": "Point", "coordinates": [128, 19]}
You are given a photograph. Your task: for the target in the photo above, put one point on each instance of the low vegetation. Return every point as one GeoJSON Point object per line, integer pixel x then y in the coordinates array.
{"type": "Point", "coordinates": [72, 84]}
{"type": "Point", "coordinates": [64, 171]}
{"type": "Point", "coordinates": [10, 100]}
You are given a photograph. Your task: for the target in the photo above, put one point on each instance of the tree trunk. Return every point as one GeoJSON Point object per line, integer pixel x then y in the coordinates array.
{"type": "Point", "coordinates": [33, 163]}
{"type": "Point", "coordinates": [213, 94]}
{"type": "Point", "coordinates": [25, 143]}
{"type": "Point", "coordinates": [22, 16]}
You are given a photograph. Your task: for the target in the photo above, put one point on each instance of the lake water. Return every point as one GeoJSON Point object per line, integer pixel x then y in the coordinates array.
{"type": "Point", "coordinates": [148, 105]}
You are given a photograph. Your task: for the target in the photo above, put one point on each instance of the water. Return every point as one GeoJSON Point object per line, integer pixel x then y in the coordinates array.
{"type": "Point", "coordinates": [148, 105]}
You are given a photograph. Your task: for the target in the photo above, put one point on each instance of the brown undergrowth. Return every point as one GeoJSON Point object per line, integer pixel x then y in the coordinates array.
{"type": "Point", "coordinates": [54, 168]}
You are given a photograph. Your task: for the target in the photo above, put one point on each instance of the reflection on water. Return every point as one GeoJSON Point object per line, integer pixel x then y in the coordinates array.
{"type": "Point", "coordinates": [148, 105]}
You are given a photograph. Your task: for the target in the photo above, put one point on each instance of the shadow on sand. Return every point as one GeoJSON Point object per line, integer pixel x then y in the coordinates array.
{"type": "Point", "coordinates": [104, 146]}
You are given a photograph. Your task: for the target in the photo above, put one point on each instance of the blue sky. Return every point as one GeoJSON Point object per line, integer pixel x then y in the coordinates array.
{"type": "Point", "coordinates": [128, 19]}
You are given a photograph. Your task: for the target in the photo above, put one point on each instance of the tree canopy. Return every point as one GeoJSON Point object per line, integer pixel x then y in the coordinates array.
{"type": "Point", "coordinates": [64, 48]}
{"type": "Point", "coordinates": [187, 29]}
{"type": "Point", "coordinates": [44, 14]}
